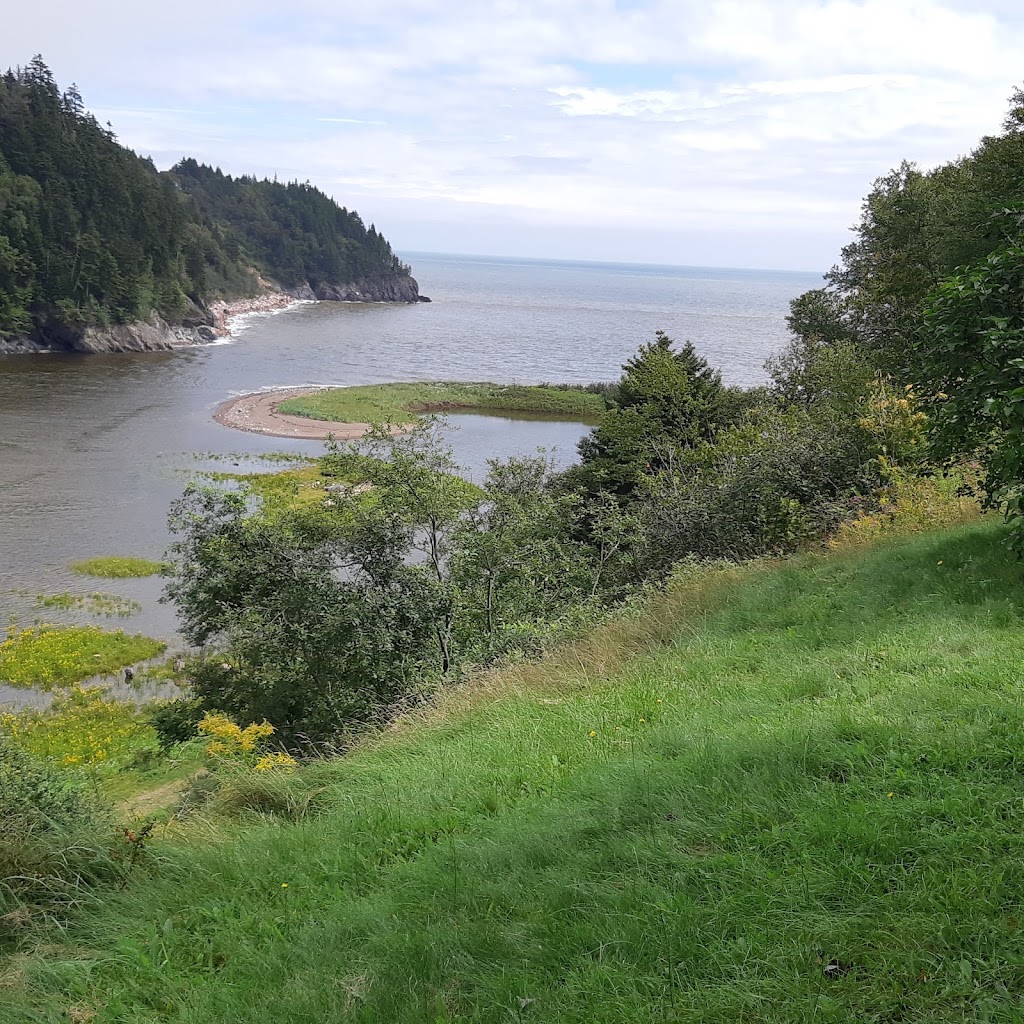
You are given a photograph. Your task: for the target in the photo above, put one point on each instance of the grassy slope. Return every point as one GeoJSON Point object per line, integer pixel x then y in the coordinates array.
{"type": "Point", "coordinates": [373, 403]}
{"type": "Point", "coordinates": [805, 807]}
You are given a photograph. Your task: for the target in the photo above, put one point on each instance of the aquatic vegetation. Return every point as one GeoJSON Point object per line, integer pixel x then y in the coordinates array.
{"type": "Point", "coordinates": [249, 457]}
{"type": "Point", "coordinates": [325, 483]}
{"type": "Point", "coordinates": [54, 656]}
{"type": "Point", "coordinates": [82, 728]}
{"type": "Point", "coordinates": [117, 567]}
{"type": "Point", "coordinates": [96, 603]}
{"type": "Point", "coordinates": [399, 403]}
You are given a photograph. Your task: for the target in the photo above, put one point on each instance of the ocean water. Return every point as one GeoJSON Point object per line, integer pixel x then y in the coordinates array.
{"type": "Point", "coordinates": [93, 449]}
{"type": "Point", "coordinates": [579, 321]}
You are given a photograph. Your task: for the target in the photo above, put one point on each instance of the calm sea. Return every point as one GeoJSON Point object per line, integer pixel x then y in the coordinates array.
{"type": "Point", "coordinates": [93, 449]}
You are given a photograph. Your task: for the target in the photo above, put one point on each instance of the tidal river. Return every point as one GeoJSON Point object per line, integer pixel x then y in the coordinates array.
{"type": "Point", "coordinates": [93, 449]}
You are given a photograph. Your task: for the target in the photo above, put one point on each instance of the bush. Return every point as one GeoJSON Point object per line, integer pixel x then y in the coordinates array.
{"type": "Point", "coordinates": [176, 720]}
{"type": "Point", "coordinates": [316, 625]}
{"type": "Point", "coordinates": [767, 487]}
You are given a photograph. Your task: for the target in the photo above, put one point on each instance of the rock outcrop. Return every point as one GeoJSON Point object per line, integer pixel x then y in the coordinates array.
{"type": "Point", "coordinates": [394, 288]}
{"type": "Point", "coordinates": [200, 325]}
{"type": "Point", "coordinates": [153, 335]}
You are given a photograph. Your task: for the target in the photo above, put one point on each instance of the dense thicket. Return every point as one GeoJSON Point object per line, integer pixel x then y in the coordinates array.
{"type": "Point", "coordinates": [931, 292]}
{"type": "Point", "coordinates": [91, 233]}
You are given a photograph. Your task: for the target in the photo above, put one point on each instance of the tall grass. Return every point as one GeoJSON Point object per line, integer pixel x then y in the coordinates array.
{"type": "Point", "coordinates": [787, 793]}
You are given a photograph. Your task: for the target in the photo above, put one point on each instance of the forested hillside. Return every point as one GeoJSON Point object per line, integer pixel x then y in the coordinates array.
{"type": "Point", "coordinates": [92, 234]}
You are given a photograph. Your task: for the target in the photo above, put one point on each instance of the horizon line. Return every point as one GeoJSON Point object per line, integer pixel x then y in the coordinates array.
{"type": "Point", "coordinates": [605, 263]}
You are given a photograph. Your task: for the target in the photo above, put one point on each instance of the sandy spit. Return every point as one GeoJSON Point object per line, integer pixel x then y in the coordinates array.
{"type": "Point", "coordinates": [259, 414]}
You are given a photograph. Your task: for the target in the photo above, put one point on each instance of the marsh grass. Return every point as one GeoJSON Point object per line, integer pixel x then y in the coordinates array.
{"type": "Point", "coordinates": [117, 567]}
{"type": "Point", "coordinates": [52, 656]}
{"type": "Point", "coordinates": [308, 487]}
{"type": "Point", "coordinates": [791, 793]}
{"type": "Point", "coordinates": [400, 403]}
{"type": "Point", "coordinates": [96, 603]}
{"type": "Point", "coordinates": [82, 729]}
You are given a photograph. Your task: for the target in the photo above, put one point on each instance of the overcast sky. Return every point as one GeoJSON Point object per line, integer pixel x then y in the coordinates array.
{"type": "Point", "coordinates": [712, 132]}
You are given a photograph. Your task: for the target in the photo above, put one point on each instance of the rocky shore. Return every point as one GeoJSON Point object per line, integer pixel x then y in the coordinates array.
{"type": "Point", "coordinates": [396, 288]}
{"type": "Point", "coordinates": [225, 313]}
{"type": "Point", "coordinates": [201, 326]}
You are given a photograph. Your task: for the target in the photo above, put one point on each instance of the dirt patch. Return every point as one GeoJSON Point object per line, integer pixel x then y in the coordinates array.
{"type": "Point", "coordinates": [152, 800]}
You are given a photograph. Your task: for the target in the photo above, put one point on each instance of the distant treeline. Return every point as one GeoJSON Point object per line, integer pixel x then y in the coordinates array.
{"type": "Point", "coordinates": [92, 234]}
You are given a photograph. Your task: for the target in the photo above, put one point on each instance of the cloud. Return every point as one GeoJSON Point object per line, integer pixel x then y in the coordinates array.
{"type": "Point", "coordinates": [757, 124]}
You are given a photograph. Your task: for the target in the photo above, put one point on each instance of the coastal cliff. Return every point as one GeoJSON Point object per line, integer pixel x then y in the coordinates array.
{"type": "Point", "coordinates": [386, 288]}
{"type": "Point", "coordinates": [202, 325]}
{"type": "Point", "coordinates": [102, 252]}
{"type": "Point", "coordinates": [152, 335]}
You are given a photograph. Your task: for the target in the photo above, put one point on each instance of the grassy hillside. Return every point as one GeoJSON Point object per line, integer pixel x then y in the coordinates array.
{"type": "Point", "coordinates": [786, 793]}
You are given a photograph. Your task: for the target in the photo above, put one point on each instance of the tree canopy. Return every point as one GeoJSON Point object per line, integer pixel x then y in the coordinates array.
{"type": "Point", "coordinates": [930, 292]}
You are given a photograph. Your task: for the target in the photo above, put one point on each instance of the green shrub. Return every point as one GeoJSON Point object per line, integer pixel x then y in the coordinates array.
{"type": "Point", "coordinates": [769, 486]}
{"type": "Point", "coordinates": [175, 720]}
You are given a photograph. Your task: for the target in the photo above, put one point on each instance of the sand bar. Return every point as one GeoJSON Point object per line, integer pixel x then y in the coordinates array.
{"type": "Point", "coordinates": [258, 413]}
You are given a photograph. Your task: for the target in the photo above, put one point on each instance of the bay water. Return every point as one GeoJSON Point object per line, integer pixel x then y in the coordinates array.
{"type": "Point", "coordinates": [93, 449]}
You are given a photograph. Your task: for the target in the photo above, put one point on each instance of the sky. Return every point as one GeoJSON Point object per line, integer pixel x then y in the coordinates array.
{"type": "Point", "coordinates": [737, 133]}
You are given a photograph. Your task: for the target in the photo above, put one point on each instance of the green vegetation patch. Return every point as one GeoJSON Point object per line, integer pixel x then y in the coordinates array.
{"type": "Point", "coordinates": [324, 484]}
{"type": "Point", "coordinates": [82, 728]}
{"type": "Point", "coordinates": [117, 567]}
{"type": "Point", "coordinates": [51, 656]}
{"type": "Point", "coordinates": [96, 603]}
{"type": "Point", "coordinates": [806, 805]}
{"type": "Point", "coordinates": [399, 403]}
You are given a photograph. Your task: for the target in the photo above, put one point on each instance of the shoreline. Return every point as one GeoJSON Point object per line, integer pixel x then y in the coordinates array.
{"type": "Point", "coordinates": [230, 317]}
{"type": "Point", "coordinates": [400, 404]}
{"type": "Point", "coordinates": [257, 414]}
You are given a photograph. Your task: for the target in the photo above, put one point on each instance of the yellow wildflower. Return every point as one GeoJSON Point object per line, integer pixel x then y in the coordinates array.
{"type": "Point", "coordinates": [276, 760]}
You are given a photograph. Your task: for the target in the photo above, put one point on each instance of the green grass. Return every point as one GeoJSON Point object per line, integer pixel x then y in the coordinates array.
{"type": "Point", "coordinates": [398, 403]}
{"type": "Point", "coordinates": [784, 793]}
{"type": "Point", "coordinates": [117, 567]}
{"type": "Point", "coordinates": [53, 656]}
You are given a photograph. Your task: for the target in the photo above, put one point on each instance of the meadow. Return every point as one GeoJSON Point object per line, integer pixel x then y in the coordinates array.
{"type": "Point", "coordinates": [784, 791]}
